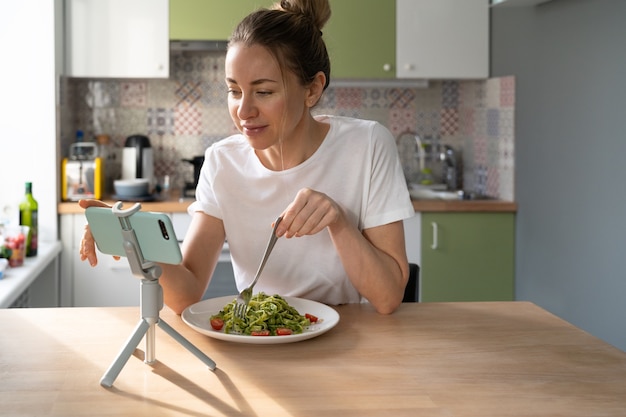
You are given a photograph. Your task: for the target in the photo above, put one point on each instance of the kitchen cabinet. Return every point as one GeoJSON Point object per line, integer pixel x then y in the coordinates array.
{"type": "Point", "coordinates": [360, 35]}
{"type": "Point", "coordinates": [442, 39]}
{"type": "Point", "coordinates": [209, 19]}
{"type": "Point", "coordinates": [467, 256]}
{"type": "Point", "coordinates": [110, 283]}
{"type": "Point", "coordinates": [117, 38]}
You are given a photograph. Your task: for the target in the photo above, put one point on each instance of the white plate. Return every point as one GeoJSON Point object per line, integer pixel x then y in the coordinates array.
{"type": "Point", "coordinates": [197, 316]}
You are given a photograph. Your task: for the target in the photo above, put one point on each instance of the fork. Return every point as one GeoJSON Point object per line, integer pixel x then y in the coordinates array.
{"type": "Point", "coordinates": [243, 299]}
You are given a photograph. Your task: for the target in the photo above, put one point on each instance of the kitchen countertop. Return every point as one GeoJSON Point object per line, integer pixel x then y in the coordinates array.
{"type": "Point", "coordinates": [18, 279]}
{"type": "Point", "coordinates": [464, 206]}
{"type": "Point", "coordinates": [488, 359]}
{"type": "Point", "coordinates": [176, 205]}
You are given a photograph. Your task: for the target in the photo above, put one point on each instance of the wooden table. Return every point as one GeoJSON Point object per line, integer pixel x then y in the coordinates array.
{"type": "Point", "coordinates": [428, 359]}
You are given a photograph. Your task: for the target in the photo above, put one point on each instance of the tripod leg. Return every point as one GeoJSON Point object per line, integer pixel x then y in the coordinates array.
{"type": "Point", "coordinates": [187, 344]}
{"type": "Point", "coordinates": [122, 357]}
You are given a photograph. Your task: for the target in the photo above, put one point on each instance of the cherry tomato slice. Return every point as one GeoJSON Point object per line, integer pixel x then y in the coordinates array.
{"type": "Point", "coordinates": [283, 331]}
{"type": "Point", "coordinates": [311, 317]}
{"type": "Point", "coordinates": [217, 323]}
{"type": "Point", "coordinates": [260, 333]}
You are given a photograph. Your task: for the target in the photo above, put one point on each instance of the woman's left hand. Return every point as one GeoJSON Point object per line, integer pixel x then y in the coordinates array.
{"type": "Point", "coordinates": [309, 213]}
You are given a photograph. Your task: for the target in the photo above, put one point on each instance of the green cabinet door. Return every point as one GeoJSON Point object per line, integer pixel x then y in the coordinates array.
{"type": "Point", "coordinates": [361, 39]}
{"type": "Point", "coordinates": [467, 256]}
{"type": "Point", "coordinates": [209, 19]}
{"type": "Point", "coordinates": [360, 35]}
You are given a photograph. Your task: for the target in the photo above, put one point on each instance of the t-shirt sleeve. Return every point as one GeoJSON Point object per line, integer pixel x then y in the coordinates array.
{"type": "Point", "coordinates": [388, 197]}
{"type": "Point", "coordinates": [206, 200]}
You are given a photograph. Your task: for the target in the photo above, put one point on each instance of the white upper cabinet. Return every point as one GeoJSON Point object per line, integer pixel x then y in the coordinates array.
{"type": "Point", "coordinates": [117, 38]}
{"type": "Point", "coordinates": [442, 39]}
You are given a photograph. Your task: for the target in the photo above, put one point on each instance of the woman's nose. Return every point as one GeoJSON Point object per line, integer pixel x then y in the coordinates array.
{"type": "Point", "coordinates": [246, 108]}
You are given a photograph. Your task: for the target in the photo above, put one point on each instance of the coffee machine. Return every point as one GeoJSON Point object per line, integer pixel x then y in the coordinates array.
{"type": "Point", "coordinates": [138, 159]}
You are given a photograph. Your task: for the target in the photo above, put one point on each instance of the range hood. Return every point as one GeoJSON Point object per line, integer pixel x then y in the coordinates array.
{"type": "Point", "coordinates": [210, 46]}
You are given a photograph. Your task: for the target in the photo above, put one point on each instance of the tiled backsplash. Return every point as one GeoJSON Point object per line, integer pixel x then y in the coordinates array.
{"type": "Point", "coordinates": [187, 112]}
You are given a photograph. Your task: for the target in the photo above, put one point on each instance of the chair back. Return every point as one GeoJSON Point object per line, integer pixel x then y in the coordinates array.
{"type": "Point", "coordinates": [411, 292]}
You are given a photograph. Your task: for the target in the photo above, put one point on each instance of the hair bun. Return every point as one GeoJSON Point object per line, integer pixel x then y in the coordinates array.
{"type": "Point", "coordinates": [316, 10]}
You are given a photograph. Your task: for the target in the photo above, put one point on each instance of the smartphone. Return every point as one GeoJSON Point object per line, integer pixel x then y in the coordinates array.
{"type": "Point", "coordinates": [154, 231]}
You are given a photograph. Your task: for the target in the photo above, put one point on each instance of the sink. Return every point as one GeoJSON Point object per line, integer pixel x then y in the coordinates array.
{"type": "Point", "coordinates": [439, 192]}
{"type": "Point", "coordinates": [433, 192]}
{"type": "Point", "coordinates": [421, 194]}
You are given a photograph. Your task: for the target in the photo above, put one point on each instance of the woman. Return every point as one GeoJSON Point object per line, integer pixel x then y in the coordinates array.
{"type": "Point", "coordinates": [336, 181]}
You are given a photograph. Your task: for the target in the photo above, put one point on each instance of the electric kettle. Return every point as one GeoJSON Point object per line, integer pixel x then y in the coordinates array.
{"type": "Point", "coordinates": [138, 159]}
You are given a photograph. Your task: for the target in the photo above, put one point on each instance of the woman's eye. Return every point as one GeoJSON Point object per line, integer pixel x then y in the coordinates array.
{"type": "Point", "coordinates": [234, 92]}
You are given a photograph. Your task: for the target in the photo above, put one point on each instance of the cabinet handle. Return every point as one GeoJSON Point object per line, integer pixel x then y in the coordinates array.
{"type": "Point", "coordinates": [387, 67]}
{"type": "Point", "coordinates": [435, 235]}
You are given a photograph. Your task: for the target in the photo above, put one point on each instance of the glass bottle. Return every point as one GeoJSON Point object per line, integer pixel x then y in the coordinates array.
{"type": "Point", "coordinates": [29, 217]}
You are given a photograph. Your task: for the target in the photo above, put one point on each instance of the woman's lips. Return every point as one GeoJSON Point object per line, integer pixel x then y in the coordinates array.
{"type": "Point", "coordinates": [253, 130]}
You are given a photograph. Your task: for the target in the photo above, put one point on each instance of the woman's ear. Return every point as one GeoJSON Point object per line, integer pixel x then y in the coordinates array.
{"type": "Point", "coordinates": [315, 90]}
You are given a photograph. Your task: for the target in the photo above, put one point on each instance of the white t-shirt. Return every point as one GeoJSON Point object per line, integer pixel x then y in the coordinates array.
{"type": "Point", "coordinates": [357, 165]}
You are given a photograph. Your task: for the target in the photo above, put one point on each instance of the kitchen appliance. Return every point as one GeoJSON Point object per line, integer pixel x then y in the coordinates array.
{"type": "Point", "coordinates": [132, 189]}
{"type": "Point", "coordinates": [190, 187]}
{"type": "Point", "coordinates": [81, 172]}
{"type": "Point", "coordinates": [138, 159]}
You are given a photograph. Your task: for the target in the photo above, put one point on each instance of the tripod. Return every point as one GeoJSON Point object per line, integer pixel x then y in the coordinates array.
{"type": "Point", "coordinates": [151, 302]}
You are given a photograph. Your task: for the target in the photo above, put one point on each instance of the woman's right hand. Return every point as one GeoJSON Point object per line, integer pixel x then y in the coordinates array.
{"type": "Point", "coordinates": [88, 244]}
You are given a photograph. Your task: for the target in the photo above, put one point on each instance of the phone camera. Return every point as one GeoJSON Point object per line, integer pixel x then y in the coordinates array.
{"type": "Point", "coordinates": [166, 235]}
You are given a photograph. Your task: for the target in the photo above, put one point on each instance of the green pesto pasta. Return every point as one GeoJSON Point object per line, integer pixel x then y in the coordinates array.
{"type": "Point", "coordinates": [265, 312]}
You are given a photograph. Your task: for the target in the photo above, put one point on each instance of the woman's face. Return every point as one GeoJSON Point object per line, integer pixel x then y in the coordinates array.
{"type": "Point", "coordinates": [263, 106]}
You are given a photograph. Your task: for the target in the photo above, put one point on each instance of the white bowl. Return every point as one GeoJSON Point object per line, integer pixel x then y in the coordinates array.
{"type": "Point", "coordinates": [132, 188]}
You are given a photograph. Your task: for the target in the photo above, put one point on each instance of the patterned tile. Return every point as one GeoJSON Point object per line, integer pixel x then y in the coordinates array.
{"type": "Point", "coordinates": [160, 92]}
{"type": "Point", "coordinates": [467, 121]}
{"type": "Point", "coordinates": [480, 151]}
{"type": "Point", "coordinates": [402, 120]}
{"type": "Point", "coordinates": [128, 122]}
{"type": "Point", "coordinates": [188, 112]}
{"type": "Point", "coordinates": [450, 95]}
{"type": "Point", "coordinates": [349, 98]}
{"type": "Point", "coordinates": [214, 94]}
{"type": "Point", "coordinates": [400, 98]}
{"type": "Point", "coordinates": [217, 121]}
{"type": "Point", "coordinates": [188, 92]}
{"type": "Point", "coordinates": [493, 123]}
{"type": "Point", "coordinates": [428, 122]}
{"type": "Point", "coordinates": [188, 66]}
{"type": "Point", "coordinates": [375, 98]}
{"type": "Point", "coordinates": [187, 121]}
{"type": "Point", "coordinates": [492, 182]}
{"type": "Point", "coordinates": [133, 94]}
{"type": "Point", "coordinates": [160, 121]}
{"type": "Point", "coordinates": [472, 94]}
{"type": "Point", "coordinates": [449, 121]}
{"type": "Point", "coordinates": [507, 91]}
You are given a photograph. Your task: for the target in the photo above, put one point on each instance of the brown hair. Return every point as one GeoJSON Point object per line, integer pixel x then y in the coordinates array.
{"type": "Point", "coordinates": [292, 31]}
